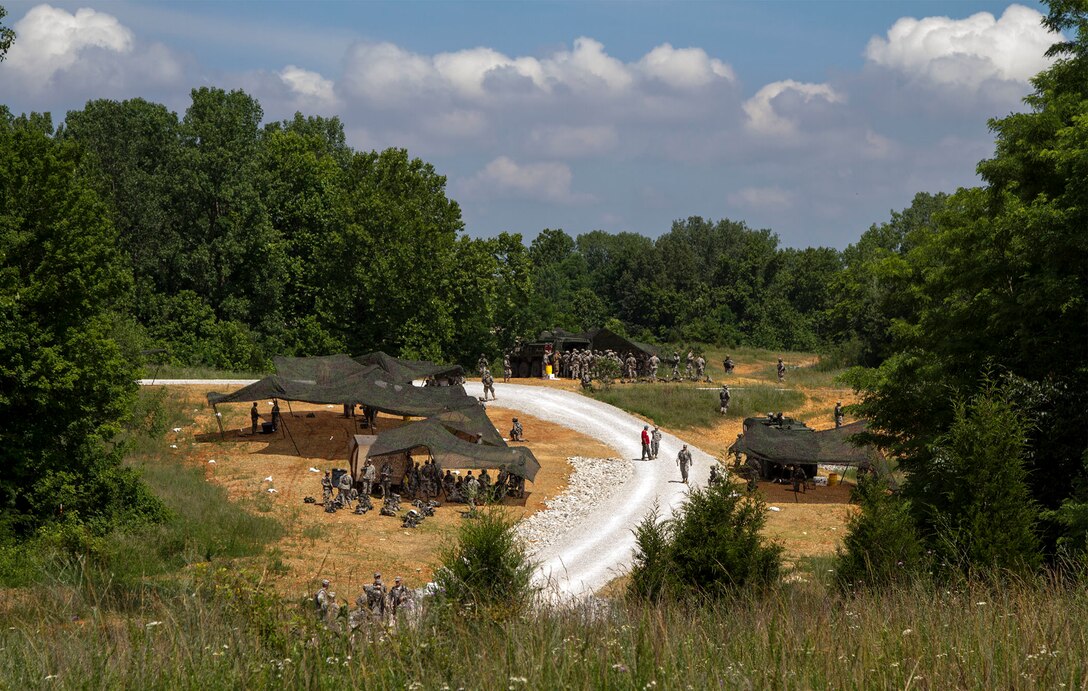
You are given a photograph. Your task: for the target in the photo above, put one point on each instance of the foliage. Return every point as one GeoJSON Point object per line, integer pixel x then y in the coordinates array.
{"type": "Point", "coordinates": [7, 36]}
{"type": "Point", "coordinates": [65, 382]}
{"type": "Point", "coordinates": [712, 547]}
{"type": "Point", "coordinates": [488, 569]}
{"type": "Point", "coordinates": [881, 547]}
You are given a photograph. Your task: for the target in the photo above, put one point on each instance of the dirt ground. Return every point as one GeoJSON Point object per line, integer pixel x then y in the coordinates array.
{"type": "Point", "coordinates": [344, 547]}
{"type": "Point", "coordinates": [347, 548]}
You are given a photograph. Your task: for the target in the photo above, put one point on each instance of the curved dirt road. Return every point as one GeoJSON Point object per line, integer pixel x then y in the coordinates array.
{"type": "Point", "coordinates": [589, 555]}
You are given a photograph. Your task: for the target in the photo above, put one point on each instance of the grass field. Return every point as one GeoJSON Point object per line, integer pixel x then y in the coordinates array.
{"type": "Point", "coordinates": [687, 405]}
{"type": "Point", "coordinates": [220, 628]}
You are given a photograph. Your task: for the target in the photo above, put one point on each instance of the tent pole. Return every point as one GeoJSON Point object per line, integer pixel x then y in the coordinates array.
{"type": "Point", "coordinates": [218, 419]}
{"type": "Point", "coordinates": [291, 436]}
{"type": "Point", "coordinates": [289, 409]}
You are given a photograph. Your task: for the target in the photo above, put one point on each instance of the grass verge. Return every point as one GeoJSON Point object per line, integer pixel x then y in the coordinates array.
{"type": "Point", "coordinates": [686, 405]}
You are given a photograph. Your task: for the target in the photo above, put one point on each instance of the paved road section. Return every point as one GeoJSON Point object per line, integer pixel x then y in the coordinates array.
{"type": "Point", "coordinates": [600, 547]}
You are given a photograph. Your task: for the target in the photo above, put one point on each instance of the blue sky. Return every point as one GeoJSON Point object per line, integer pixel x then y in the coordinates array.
{"type": "Point", "coordinates": [814, 119]}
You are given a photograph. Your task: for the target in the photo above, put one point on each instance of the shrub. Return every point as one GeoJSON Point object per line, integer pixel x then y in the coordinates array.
{"type": "Point", "coordinates": [712, 547]}
{"type": "Point", "coordinates": [881, 545]}
{"type": "Point", "coordinates": [488, 568]}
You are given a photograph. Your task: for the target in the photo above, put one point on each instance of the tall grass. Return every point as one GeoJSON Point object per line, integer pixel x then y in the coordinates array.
{"type": "Point", "coordinates": [686, 405]}
{"type": "Point", "coordinates": [222, 631]}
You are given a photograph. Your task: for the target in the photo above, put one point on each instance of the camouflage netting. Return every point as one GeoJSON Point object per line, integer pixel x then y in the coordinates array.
{"type": "Point", "coordinates": [469, 421]}
{"type": "Point", "coordinates": [337, 379]}
{"type": "Point", "coordinates": [452, 451]}
{"type": "Point", "coordinates": [409, 370]}
{"type": "Point", "coordinates": [803, 445]}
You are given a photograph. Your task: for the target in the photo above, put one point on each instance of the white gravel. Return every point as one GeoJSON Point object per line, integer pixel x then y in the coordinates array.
{"type": "Point", "coordinates": [594, 480]}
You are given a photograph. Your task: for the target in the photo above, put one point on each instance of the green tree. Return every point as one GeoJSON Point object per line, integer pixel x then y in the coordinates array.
{"type": "Point", "coordinates": [7, 36]}
{"type": "Point", "coordinates": [65, 384]}
{"type": "Point", "coordinates": [881, 546]}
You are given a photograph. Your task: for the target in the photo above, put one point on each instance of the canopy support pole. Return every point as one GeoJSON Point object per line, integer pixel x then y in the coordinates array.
{"type": "Point", "coordinates": [219, 419]}
{"type": "Point", "coordinates": [290, 410]}
{"type": "Point", "coordinates": [290, 436]}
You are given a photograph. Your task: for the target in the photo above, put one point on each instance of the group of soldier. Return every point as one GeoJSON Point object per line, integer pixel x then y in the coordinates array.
{"type": "Point", "coordinates": [255, 417]}
{"type": "Point", "coordinates": [374, 605]}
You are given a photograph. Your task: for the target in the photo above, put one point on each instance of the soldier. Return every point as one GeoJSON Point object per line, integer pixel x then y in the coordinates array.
{"type": "Point", "coordinates": [781, 371]}
{"type": "Point", "coordinates": [797, 475]}
{"type": "Point", "coordinates": [332, 614]}
{"type": "Point", "coordinates": [507, 369]}
{"type": "Point", "coordinates": [408, 483]}
{"type": "Point", "coordinates": [655, 442]}
{"type": "Point", "coordinates": [481, 364]}
{"type": "Point", "coordinates": [516, 431]}
{"type": "Point", "coordinates": [375, 598]}
{"type": "Point", "coordinates": [485, 485]}
{"type": "Point", "coordinates": [448, 485]}
{"type": "Point", "coordinates": [700, 367]}
{"type": "Point", "coordinates": [631, 367]}
{"type": "Point", "coordinates": [646, 455]}
{"type": "Point", "coordinates": [683, 459]}
{"type": "Point", "coordinates": [358, 616]}
{"type": "Point", "coordinates": [344, 495]}
{"type": "Point", "coordinates": [564, 364]}
{"type": "Point", "coordinates": [715, 476]}
{"type": "Point", "coordinates": [326, 489]}
{"type": "Point", "coordinates": [689, 369]}
{"type": "Point", "coordinates": [838, 414]}
{"type": "Point", "coordinates": [471, 488]}
{"type": "Point", "coordinates": [369, 475]}
{"type": "Point", "coordinates": [727, 364]}
{"type": "Point", "coordinates": [655, 362]}
{"type": "Point", "coordinates": [387, 479]}
{"type": "Point", "coordinates": [254, 418]}
{"type": "Point", "coordinates": [723, 399]}
{"type": "Point", "coordinates": [489, 384]}
{"type": "Point", "coordinates": [321, 599]}
{"type": "Point", "coordinates": [275, 415]}
{"type": "Point", "coordinates": [399, 596]}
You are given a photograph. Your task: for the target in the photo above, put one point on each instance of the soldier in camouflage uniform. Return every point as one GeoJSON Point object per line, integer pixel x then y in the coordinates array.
{"type": "Point", "coordinates": [516, 431]}
{"type": "Point", "coordinates": [723, 399]}
{"type": "Point", "coordinates": [655, 442]}
{"type": "Point", "coordinates": [481, 364]}
{"type": "Point", "coordinates": [781, 371]}
{"type": "Point", "coordinates": [344, 486]}
{"type": "Point", "coordinates": [489, 384]}
{"type": "Point", "coordinates": [683, 459]}
{"type": "Point", "coordinates": [838, 414]}
{"type": "Point", "coordinates": [375, 598]}
{"type": "Point", "coordinates": [399, 597]}
{"type": "Point", "coordinates": [700, 367]}
{"type": "Point", "coordinates": [632, 365]}
{"type": "Point", "coordinates": [254, 418]}
{"type": "Point", "coordinates": [387, 479]}
{"type": "Point", "coordinates": [655, 362]}
{"type": "Point", "coordinates": [326, 488]}
{"type": "Point", "coordinates": [507, 369]}
{"type": "Point", "coordinates": [321, 600]}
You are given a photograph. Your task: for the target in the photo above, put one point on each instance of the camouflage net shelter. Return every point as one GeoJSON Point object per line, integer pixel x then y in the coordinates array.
{"type": "Point", "coordinates": [408, 370]}
{"type": "Point", "coordinates": [338, 379]}
{"type": "Point", "coordinates": [451, 451]}
{"type": "Point", "coordinates": [469, 421]}
{"type": "Point", "coordinates": [774, 446]}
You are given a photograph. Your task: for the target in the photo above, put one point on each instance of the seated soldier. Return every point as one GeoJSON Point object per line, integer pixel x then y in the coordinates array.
{"type": "Point", "coordinates": [516, 431]}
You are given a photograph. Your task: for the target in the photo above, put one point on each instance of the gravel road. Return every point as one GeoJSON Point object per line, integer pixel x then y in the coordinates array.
{"type": "Point", "coordinates": [598, 546]}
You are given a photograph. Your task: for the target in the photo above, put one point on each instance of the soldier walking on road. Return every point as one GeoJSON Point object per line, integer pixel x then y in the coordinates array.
{"type": "Point", "coordinates": [683, 459]}
{"type": "Point", "coordinates": [723, 398]}
{"type": "Point", "coordinates": [646, 455]}
{"type": "Point", "coordinates": [507, 370]}
{"type": "Point", "coordinates": [655, 442]}
{"type": "Point", "coordinates": [489, 384]}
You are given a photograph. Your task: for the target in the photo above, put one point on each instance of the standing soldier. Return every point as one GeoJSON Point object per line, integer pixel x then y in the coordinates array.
{"type": "Point", "coordinates": [375, 598]}
{"type": "Point", "coordinates": [781, 371]}
{"type": "Point", "coordinates": [646, 455]}
{"type": "Point", "coordinates": [700, 367]}
{"type": "Point", "coordinates": [727, 364]}
{"type": "Point", "coordinates": [326, 489]}
{"type": "Point", "coordinates": [344, 496]}
{"type": "Point", "coordinates": [507, 370]}
{"type": "Point", "coordinates": [254, 418]}
{"type": "Point", "coordinates": [369, 475]}
{"type": "Point", "coordinates": [683, 459]}
{"type": "Point", "coordinates": [723, 398]}
{"type": "Point", "coordinates": [321, 600]}
{"type": "Point", "coordinates": [489, 384]}
{"type": "Point", "coordinates": [655, 442]}
{"type": "Point", "coordinates": [387, 479]}
{"type": "Point", "coordinates": [655, 362]}
{"type": "Point", "coordinates": [838, 414]}
{"type": "Point", "coordinates": [481, 364]}
{"type": "Point", "coordinates": [399, 596]}
{"type": "Point", "coordinates": [689, 368]}
{"type": "Point", "coordinates": [275, 415]}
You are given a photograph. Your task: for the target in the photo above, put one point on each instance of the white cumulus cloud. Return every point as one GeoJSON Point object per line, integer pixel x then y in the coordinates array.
{"type": "Point", "coordinates": [574, 141]}
{"type": "Point", "coordinates": [684, 67]}
{"type": "Point", "coordinates": [308, 84]}
{"type": "Point", "coordinates": [966, 52]}
{"type": "Point", "coordinates": [763, 111]}
{"type": "Point", "coordinates": [545, 181]}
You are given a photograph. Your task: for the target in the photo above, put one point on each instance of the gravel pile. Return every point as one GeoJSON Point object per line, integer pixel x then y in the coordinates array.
{"type": "Point", "coordinates": [594, 480]}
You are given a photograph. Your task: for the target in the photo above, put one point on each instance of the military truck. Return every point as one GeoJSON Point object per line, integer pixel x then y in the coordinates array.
{"type": "Point", "coordinates": [527, 359]}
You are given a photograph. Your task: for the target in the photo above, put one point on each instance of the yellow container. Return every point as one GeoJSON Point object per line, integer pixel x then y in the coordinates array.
{"type": "Point", "coordinates": [832, 479]}
{"type": "Point", "coordinates": [548, 370]}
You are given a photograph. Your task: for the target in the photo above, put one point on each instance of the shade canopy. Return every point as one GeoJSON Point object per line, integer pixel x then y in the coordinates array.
{"type": "Point", "coordinates": [453, 452]}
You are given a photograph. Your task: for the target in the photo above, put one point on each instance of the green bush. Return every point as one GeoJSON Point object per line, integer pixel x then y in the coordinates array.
{"type": "Point", "coordinates": [881, 546]}
{"type": "Point", "coordinates": [711, 548]}
{"type": "Point", "coordinates": [487, 569]}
